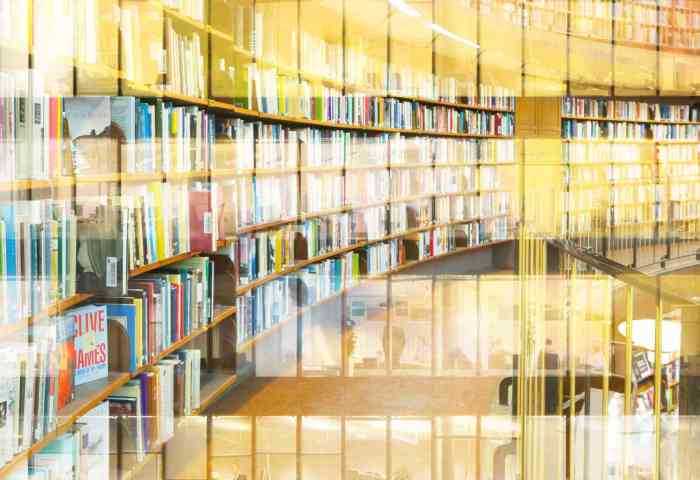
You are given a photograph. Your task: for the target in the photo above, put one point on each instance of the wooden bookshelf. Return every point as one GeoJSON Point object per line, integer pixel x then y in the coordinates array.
{"type": "Point", "coordinates": [149, 458]}
{"type": "Point", "coordinates": [53, 309]}
{"type": "Point", "coordinates": [162, 263]}
{"type": "Point", "coordinates": [625, 120]}
{"type": "Point", "coordinates": [221, 313]}
{"type": "Point", "coordinates": [295, 121]}
{"type": "Point", "coordinates": [248, 343]}
{"type": "Point", "coordinates": [443, 103]}
{"type": "Point", "coordinates": [213, 386]}
{"type": "Point", "coordinates": [87, 397]}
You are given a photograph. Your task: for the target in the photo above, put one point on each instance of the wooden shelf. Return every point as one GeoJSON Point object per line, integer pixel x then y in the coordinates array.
{"type": "Point", "coordinates": [639, 141]}
{"type": "Point", "coordinates": [443, 103]}
{"type": "Point", "coordinates": [249, 342]}
{"type": "Point", "coordinates": [624, 120]}
{"type": "Point", "coordinates": [51, 310]}
{"type": "Point", "coordinates": [162, 263]}
{"type": "Point", "coordinates": [87, 397]}
{"type": "Point", "coordinates": [213, 385]}
{"type": "Point", "coordinates": [221, 313]}
{"type": "Point", "coordinates": [228, 108]}
{"type": "Point", "coordinates": [149, 457]}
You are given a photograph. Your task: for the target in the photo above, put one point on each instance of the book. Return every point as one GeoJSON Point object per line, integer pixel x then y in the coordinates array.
{"type": "Point", "coordinates": [103, 241]}
{"type": "Point", "coordinates": [95, 139]}
{"type": "Point", "coordinates": [94, 442]}
{"type": "Point", "coordinates": [91, 343]}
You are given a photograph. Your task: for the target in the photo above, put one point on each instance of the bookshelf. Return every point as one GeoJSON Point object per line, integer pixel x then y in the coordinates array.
{"type": "Point", "coordinates": [275, 106]}
{"type": "Point", "coordinates": [623, 159]}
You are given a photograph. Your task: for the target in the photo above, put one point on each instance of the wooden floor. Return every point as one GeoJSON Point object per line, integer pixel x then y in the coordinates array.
{"type": "Point", "coordinates": [391, 396]}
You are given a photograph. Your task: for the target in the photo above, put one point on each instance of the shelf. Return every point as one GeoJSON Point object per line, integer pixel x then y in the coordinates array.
{"type": "Point", "coordinates": [213, 385]}
{"type": "Point", "coordinates": [443, 103]}
{"type": "Point", "coordinates": [624, 120]}
{"type": "Point", "coordinates": [248, 343]}
{"type": "Point", "coordinates": [252, 114]}
{"type": "Point", "coordinates": [221, 313]}
{"type": "Point", "coordinates": [51, 310]}
{"type": "Point", "coordinates": [638, 141]}
{"type": "Point", "coordinates": [162, 263]}
{"type": "Point", "coordinates": [87, 397]}
{"type": "Point", "coordinates": [138, 468]}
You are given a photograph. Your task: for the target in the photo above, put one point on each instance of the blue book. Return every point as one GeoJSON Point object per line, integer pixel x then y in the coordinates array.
{"type": "Point", "coordinates": [124, 314]}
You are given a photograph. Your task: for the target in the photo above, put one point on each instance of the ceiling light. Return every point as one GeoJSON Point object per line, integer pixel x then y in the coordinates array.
{"type": "Point", "coordinates": [438, 29]}
{"type": "Point", "coordinates": [644, 334]}
{"type": "Point", "coordinates": [404, 8]}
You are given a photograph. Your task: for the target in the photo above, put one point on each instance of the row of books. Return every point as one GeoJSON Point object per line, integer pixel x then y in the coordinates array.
{"type": "Point", "coordinates": [325, 192]}
{"type": "Point", "coordinates": [678, 153]}
{"type": "Point", "coordinates": [186, 67]}
{"type": "Point", "coordinates": [159, 309]}
{"type": "Point", "coordinates": [411, 214]}
{"type": "Point", "coordinates": [456, 179]}
{"type": "Point", "coordinates": [37, 382]}
{"type": "Point", "coordinates": [629, 110]}
{"type": "Point", "coordinates": [277, 148]}
{"type": "Point", "coordinates": [82, 452]}
{"type": "Point", "coordinates": [103, 135]}
{"type": "Point", "coordinates": [591, 153]}
{"type": "Point", "coordinates": [456, 207]}
{"type": "Point", "coordinates": [194, 9]}
{"type": "Point", "coordinates": [125, 134]}
{"type": "Point", "coordinates": [99, 135]}
{"type": "Point", "coordinates": [284, 96]}
{"type": "Point", "coordinates": [77, 348]}
{"type": "Point", "coordinates": [38, 256]}
{"type": "Point", "coordinates": [271, 304]}
{"type": "Point", "coordinates": [607, 130]}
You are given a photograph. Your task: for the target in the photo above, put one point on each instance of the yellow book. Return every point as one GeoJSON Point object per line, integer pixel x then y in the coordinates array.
{"type": "Point", "coordinates": [279, 259]}
{"type": "Point", "coordinates": [59, 136]}
{"type": "Point", "coordinates": [155, 189]}
{"type": "Point", "coordinates": [282, 96]}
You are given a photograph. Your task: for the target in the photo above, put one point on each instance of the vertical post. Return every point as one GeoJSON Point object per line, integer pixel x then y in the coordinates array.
{"type": "Point", "coordinates": [568, 48]}
{"type": "Point", "coordinates": [477, 450]}
{"type": "Point", "coordinates": [209, 442]}
{"type": "Point", "coordinates": [388, 448]}
{"type": "Point", "coordinates": [658, 337]}
{"type": "Point", "coordinates": [343, 453]}
{"type": "Point", "coordinates": [629, 314]}
{"type": "Point", "coordinates": [253, 446]}
{"type": "Point", "coordinates": [433, 57]}
{"type": "Point", "coordinates": [434, 330]}
{"type": "Point", "coordinates": [298, 447]}
{"type": "Point", "coordinates": [523, 254]}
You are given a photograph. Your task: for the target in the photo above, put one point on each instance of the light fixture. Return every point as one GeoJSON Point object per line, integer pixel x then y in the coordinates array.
{"type": "Point", "coordinates": [404, 8]}
{"type": "Point", "coordinates": [644, 334]}
{"type": "Point", "coordinates": [443, 31]}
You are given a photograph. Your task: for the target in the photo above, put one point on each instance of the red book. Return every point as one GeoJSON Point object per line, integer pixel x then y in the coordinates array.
{"type": "Point", "coordinates": [53, 134]}
{"type": "Point", "coordinates": [63, 363]}
{"type": "Point", "coordinates": [201, 221]}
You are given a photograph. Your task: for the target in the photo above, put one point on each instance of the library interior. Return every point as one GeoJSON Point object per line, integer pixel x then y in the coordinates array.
{"type": "Point", "coordinates": [349, 240]}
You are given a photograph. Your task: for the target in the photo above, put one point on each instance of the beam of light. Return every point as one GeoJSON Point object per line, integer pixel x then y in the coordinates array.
{"type": "Point", "coordinates": [438, 29]}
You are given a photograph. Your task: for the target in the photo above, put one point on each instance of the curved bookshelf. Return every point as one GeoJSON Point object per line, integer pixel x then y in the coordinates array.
{"type": "Point", "coordinates": [250, 342]}
{"type": "Point", "coordinates": [625, 120]}
{"type": "Point", "coordinates": [91, 394]}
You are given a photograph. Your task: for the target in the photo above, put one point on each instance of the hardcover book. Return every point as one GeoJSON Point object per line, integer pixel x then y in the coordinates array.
{"type": "Point", "coordinates": [91, 346]}
{"type": "Point", "coordinates": [94, 138]}
{"type": "Point", "coordinates": [65, 356]}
